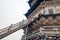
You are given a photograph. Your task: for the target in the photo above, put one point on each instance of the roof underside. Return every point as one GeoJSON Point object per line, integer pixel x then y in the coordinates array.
{"type": "Point", "coordinates": [33, 7]}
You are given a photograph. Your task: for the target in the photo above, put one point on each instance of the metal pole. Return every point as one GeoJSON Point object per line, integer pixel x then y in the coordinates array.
{"type": "Point", "coordinates": [26, 33]}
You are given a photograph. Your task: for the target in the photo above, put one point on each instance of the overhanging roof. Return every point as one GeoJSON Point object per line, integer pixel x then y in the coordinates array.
{"type": "Point", "coordinates": [33, 8]}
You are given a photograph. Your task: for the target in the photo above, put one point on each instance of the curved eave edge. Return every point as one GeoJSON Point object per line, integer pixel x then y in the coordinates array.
{"type": "Point", "coordinates": [33, 8]}
{"type": "Point", "coordinates": [29, 2]}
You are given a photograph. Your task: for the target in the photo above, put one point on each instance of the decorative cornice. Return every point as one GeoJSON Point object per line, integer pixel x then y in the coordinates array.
{"type": "Point", "coordinates": [42, 6]}
{"type": "Point", "coordinates": [46, 20]}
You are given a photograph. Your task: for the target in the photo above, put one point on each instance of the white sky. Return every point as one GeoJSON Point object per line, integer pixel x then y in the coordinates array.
{"type": "Point", "coordinates": [11, 12]}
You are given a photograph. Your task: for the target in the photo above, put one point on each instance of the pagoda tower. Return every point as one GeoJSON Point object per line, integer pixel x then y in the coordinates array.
{"type": "Point", "coordinates": [44, 20]}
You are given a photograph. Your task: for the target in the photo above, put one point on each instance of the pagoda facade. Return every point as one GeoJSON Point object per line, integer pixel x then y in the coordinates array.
{"type": "Point", "coordinates": [44, 20]}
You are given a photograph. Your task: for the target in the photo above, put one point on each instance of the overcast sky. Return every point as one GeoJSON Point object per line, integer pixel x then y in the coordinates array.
{"type": "Point", "coordinates": [11, 12]}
